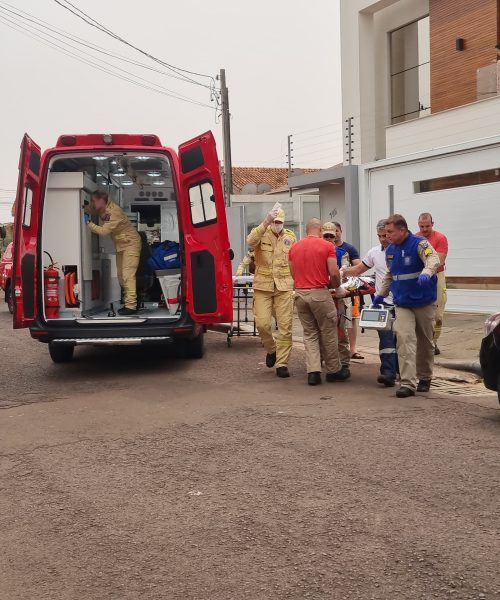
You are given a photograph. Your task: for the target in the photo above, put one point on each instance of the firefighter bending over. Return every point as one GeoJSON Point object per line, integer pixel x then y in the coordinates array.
{"type": "Point", "coordinates": [127, 244]}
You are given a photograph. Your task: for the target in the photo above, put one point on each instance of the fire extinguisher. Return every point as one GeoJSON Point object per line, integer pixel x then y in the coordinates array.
{"type": "Point", "coordinates": [51, 290]}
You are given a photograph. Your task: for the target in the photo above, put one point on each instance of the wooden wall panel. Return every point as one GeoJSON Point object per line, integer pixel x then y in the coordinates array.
{"type": "Point", "coordinates": [453, 72]}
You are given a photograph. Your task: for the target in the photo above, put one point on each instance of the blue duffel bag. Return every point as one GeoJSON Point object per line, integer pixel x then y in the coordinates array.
{"type": "Point", "coordinates": [166, 256]}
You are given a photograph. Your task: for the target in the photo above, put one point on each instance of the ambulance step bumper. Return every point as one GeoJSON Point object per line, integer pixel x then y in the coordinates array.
{"type": "Point", "coordinates": [116, 341]}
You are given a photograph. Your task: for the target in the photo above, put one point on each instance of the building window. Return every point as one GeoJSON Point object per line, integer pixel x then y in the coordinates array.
{"type": "Point", "coordinates": [410, 71]}
{"type": "Point", "coordinates": [456, 181]}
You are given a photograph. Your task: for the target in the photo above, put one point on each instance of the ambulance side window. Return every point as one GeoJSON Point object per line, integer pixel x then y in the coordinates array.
{"type": "Point", "coordinates": [28, 202]}
{"type": "Point", "coordinates": [202, 204]}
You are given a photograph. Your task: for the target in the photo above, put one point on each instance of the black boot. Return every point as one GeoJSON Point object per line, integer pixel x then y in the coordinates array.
{"type": "Point", "coordinates": [125, 312]}
{"type": "Point", "coordinates": [341, 375]}
{"type": "Point", "coordinates": [270, 360]}
{"type": "Point", "coordinates": [282, 372]}
{"type": "Point", "coordinates": [424, 385]}
{"type": "Point", "coordinates": [314, 378]}
{"type": "Point", "coordinates": [405, 392]}
{"type": "Point", "coordinates": [387, 381]}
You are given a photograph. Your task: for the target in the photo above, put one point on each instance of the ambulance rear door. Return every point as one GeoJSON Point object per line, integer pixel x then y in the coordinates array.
{"type": "Point", "coordinates": [26, 231]}
{"type": "Point", "coordinates": [207, 254]}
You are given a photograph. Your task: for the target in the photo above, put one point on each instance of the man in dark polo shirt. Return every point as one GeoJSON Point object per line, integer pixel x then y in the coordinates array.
{"type": "Point", "coordinates": [313, 265]}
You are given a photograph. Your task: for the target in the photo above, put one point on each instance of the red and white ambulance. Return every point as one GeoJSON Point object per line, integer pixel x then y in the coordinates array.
{"type": "Point", "coordinates": [65, 282]}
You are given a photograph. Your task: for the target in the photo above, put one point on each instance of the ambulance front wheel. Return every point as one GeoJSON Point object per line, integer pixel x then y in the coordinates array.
{"type": "Point", "coordinates": [61, 353]}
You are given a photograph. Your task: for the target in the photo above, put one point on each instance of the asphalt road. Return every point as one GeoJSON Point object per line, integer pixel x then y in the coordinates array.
{"type": "Point", "coordinates": [126, 475]}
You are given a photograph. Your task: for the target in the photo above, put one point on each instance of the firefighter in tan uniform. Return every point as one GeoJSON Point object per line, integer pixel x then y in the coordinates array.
{"type": "Point", "coordinates": [273, 288]}
{"type": "Point", "coordinates": [247, 264]}
{"type": "Point", "coordinates": [127, 243]}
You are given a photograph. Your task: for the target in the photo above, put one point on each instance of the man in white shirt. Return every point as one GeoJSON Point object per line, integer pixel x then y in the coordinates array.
{"type": "Point", "coordinates": [375, 259]}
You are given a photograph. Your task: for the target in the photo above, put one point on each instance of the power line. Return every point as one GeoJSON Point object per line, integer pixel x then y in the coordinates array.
{"type": "Point", "coordinates": [96, 24]}
{"type": "Point", "coordinates": [152, 86]}
{"type": "Point", "coordinates": [61, 32]}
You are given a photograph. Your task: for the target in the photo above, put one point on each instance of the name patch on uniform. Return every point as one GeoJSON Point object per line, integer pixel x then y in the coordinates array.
{"type": "Point", "coordinates": [407, 260]}
{"type": "Point", "coordinates": [106, 217]}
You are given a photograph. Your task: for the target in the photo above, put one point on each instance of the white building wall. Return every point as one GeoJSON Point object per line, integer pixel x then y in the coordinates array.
{"type": "Point", "coordinates": [365, 28]}
{"type": "Point", "coordinates": [332, 203]}
{"type": "Point", "coordinates": [462, 124]}
{"type": "Point", "coordinates": [469, 216]}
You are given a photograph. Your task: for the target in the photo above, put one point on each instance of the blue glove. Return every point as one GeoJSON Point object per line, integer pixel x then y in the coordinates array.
{"type": "Point", "coordinates": [86, 218]}
{"type": "Point", "coordinates": [377, 300]}
{"type": "Point", "coordinates": [424, 279]}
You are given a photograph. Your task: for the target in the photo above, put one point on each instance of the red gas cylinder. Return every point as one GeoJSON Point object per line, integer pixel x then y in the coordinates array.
{"type": "Point", "coordinates": [51, 287]}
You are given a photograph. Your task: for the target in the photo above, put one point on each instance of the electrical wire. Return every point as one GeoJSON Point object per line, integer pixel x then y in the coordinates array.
{"type": "Point", "coordinates": [65, 34]}
{"type": "Point", "coordinates": [12, 24]}
{"type": "Point", "coordinates": [67, 5]}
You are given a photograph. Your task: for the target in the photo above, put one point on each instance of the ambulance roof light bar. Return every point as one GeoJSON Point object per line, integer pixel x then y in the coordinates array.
{"type": "Point", "coordinates": [108, 139]}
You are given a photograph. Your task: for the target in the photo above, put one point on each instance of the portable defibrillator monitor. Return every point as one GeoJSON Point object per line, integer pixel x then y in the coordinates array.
{"type": "Point", "coordinates": [375, 318]}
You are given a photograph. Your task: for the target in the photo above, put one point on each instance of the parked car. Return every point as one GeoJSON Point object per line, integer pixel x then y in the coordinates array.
{"type": "Point", "coordinates": [489, 355]}
{"type": "Point", "coordinates": [6, 276]}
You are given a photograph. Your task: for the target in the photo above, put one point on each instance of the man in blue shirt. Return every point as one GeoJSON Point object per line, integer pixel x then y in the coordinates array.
{"type": "Point", "coordinates": [354, 259]}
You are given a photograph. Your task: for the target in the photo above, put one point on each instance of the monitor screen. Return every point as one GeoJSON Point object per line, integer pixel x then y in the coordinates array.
{"type": "Point", "coordinates": [374, 315]}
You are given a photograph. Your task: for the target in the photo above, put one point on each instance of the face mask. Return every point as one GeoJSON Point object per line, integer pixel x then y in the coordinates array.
{"type": "Point", "coordinates": [277, 227]}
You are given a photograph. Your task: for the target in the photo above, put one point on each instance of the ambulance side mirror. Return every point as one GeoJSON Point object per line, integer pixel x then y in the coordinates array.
{"type": "Point", "coordinates": [231, 254]}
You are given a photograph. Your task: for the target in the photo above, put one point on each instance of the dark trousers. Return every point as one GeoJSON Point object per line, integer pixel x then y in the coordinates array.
{"type": "Point", "coordinates": [388, 354]}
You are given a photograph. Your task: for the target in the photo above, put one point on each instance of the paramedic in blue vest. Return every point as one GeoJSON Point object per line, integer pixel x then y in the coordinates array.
{"type": "Point", "coordinates": [127, 244]}
{"type": "Point", "coordinates": [412, 264]}
{"type": "Point", "coordinates": [375, 259]}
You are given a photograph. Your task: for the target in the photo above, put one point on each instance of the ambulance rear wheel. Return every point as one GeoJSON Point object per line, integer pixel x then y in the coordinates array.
{"type": "Point", "coordinates": [61, 353]}
{"type": "Point", "coordinates": [195, 348]}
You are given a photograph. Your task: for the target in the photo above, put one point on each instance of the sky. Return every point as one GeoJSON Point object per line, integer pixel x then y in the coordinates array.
{"type": "Point", "coordinates": [282, 63]}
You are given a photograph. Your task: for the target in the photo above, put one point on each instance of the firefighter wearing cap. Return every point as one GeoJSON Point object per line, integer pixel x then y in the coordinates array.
{"type": "Point", "coordinates": [273, 288]}
{"type": "Point", "coordinates": [328, 232]}
{"type": "Point", "coordinates": [247, 264]}
{"type": "Point", "coordinates": [127, 243]}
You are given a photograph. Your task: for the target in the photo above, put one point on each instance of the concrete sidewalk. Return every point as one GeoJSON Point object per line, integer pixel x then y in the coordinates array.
{"type": "Point", "coordinates": [460, 339]}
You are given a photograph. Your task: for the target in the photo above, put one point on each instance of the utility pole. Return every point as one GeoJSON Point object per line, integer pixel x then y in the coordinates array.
{"type": "Point", "coordinates": [226, 137]}
{"type": "Point", "coordinates": [290, 161]}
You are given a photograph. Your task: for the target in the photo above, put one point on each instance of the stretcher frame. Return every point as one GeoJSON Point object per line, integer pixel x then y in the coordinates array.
{"type": "Point", "coordinates": [242, 296]}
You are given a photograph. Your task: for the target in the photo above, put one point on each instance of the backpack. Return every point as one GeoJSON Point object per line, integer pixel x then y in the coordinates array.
{"type": "Point", "coordinates": [165, 256]}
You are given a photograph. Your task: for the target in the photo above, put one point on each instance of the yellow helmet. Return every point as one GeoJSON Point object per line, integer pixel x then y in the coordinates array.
{"type": "Point", "coordinates": [280, 216]}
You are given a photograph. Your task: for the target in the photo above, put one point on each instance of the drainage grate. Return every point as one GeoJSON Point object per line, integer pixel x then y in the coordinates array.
{"type": "Point", "coordinates": [454, 388]}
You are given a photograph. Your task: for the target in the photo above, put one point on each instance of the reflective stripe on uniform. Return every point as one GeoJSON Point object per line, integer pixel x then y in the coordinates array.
{"type": "Point", "coordinates": [388, 351]}
{"type": "Point", "coordinates": [406, 276]}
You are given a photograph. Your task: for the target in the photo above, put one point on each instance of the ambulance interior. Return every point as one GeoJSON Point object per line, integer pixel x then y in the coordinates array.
{"type": "Point", "coordinates": [142, 185]}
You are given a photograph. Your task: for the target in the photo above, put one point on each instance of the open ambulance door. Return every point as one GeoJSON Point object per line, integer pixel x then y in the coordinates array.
{"type": "Point", "coordinates": [26, 225]}
{"type": "Point", "coordinates": [209, 291]}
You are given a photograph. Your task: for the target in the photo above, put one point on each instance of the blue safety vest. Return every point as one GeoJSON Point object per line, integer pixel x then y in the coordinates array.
{"type": "Point", "coordinates": [405, 265]}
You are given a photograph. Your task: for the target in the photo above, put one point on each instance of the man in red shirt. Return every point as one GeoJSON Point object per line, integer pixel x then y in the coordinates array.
{"type": "Point", "coordinates": [313, 265]}
{"type": "Point", "coordinates": [440, 244]}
